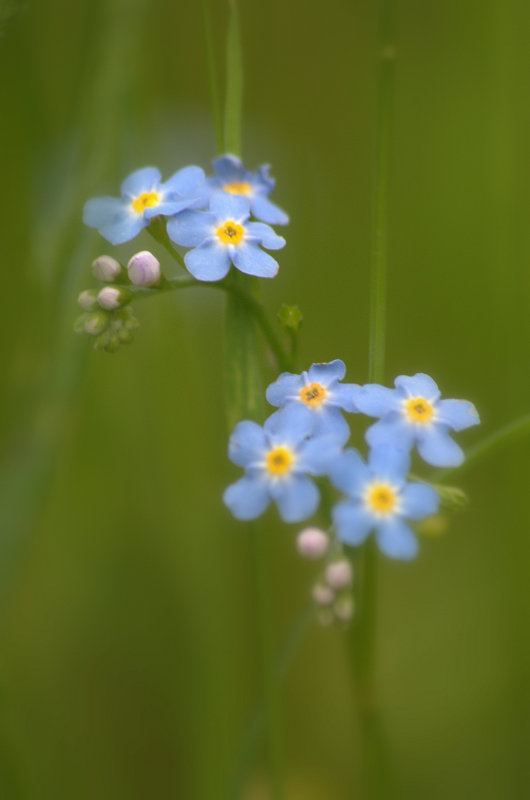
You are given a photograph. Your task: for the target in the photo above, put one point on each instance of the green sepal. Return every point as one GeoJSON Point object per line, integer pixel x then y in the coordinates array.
{"type": "Point", "coordinates": [290, 317]}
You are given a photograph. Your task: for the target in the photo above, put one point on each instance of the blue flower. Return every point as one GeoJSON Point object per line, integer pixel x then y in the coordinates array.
{"type": "Point", "coordinates": [277, 459]}
{"type": "Point", "coordinates": [222, 236]}
{"type": "Point", "coordinates": [380, 499]}
{"type": "Point", "coordinates": [143, 197]}
{"type": "Point", "coordinates": [413, 413]}
{"type": "Point", "coordinates": [232, 177]}
{"type": "Point", "coordinates": [319, 390]}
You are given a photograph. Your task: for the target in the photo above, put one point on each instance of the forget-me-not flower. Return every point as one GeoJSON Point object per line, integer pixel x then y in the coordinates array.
{"type": "Point", "coordinates": [320, 391]}
{"type": "Point", "coordinates": [232, 177]}
{"type": "Point", "coordinates": [277, 459]}
{"type": "Point", "coordinates": [222, 236]}
{"type": "Point", "coordinates": [144, 196]}
{"type": "Point", "coordinates": [380, 499]}
{"type": "Point", "coordinates": [414, 413]}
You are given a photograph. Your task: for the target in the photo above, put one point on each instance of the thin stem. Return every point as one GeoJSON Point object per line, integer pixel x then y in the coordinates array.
{"type": "Point", "coordinates": [212, 76]}
{"type": "Point", "coordinates": [234, 85]}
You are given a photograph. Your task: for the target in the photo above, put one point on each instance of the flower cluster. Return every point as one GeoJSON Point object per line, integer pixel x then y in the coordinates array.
{"type": "Point", "coordinates": [209, 215]}
{"type": "Point", "coordinates": [306, 438]}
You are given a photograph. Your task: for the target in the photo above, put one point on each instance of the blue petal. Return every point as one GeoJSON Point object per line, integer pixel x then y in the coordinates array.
{"type": "Point", "coordinates": [352, 522]}
{"type": "Point", "coordinates": [229, 168]}
{"type": "Point", "coordinates": [329, 421]}
{"type": "Point", "coordinates": [326, 373]}
{"type": "Point", "coordinates": [250, 259]}
{"type": "Point", "coordinates": [436, 447]}
{"type": "Point", "coordinates": [375, 400]}
{"type": "Point", "coordinates": [262, 177]}
{"type": "Point", "coordinates": [319, 454]}
{"type": "Point", "coordinates": [229, 207]}
{"type": "Point", "coordinates": [191, 228]}
{"type": "Point", "coordinates": [392, 429]}
{"type": "Point", "coordinates": [297, 497]}
{"type": "Point", "coordinates": [247, 444]}
{"type": "Point", "coordinates": [396, 539]}
{"type": "Point", "coordinates": [290, 425]}
{"type": "Point", "coordinates": [458, 414]}
{"type": "Point", "coordinates": [265, 235]}
{"type": "Point", "coordinates": [263, 209]}
{"type": "Point", "coordinates": [168, 208]}
{"type": "Point", "coordinates": [349, 473]}
{"type": "Point", "coordinates": [143, 180]}
{"type": "Point", "coordinates": [419, 501]}
{"type": "Point", "coordinates": [209, 262]}
{"type": "Point", "coordinates": [247, 498]}
{"type": "Point", "coordinates": [185, 181]}
{"type": "Point", "coordinates": [103, 210]}
{"type": "Point", "coordinates": [343, 395]}
{"type": "Point", "coordinates": [389, 462]}
{"type": "Point", "coordinates": [123, 228]}
{"type": "Point", "coordinates": [286, 387]}
{"type": "Point", "coordinates": [419, 385]}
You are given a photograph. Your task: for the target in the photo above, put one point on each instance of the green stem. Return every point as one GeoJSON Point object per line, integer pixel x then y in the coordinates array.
{"type": "Point", "coordinates": [157, 229]}
{"type": "Point", "coordinates": [234, 85]}
{"type": "Point", "coordinates": [212, 77]}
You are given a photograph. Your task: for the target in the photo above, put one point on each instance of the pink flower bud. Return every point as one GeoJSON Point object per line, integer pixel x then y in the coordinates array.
{"type": "Point", "coordinates": [144, 269]}
{"type": "Point", "coordinates": [312, 543]}
{"type": "Point", "coordinates": [88, 300]}
{"type": "Point", "coordinates": [323, 595]}
{"type": "Point", "coordinates": [339, 574]}
{"type": "Point", "coordinates": [106, 268]}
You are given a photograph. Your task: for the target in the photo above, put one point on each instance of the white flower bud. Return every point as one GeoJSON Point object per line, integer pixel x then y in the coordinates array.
{"type": "Point", "coordinates": [323, 595]}
{"type": "Point", "coordinates": [88, 300]}
{"type": "Point", "coordinates": [112, 297]}
{"type": "Point", "coordinates": [344, 609]}
{"type": "Point", "coordinates": [96, 323]}
{"type": "Point", "coordinates": [144, 269]}
{"type": "Point", "coordinates": [106, 268]}
{"type": "Point", "coordinates": [339, 574]}
{"type": "Point", "coordinates": [312, 543]}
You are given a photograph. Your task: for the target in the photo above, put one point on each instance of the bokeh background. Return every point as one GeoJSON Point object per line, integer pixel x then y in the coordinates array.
{"type": "Point", "coordinates": [128, 644]}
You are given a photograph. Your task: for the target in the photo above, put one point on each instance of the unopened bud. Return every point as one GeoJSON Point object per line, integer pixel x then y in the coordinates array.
{"type": "Point", "coordinates": [344, 609]}
{"type": "Point", "coordinates": [96, 323]}
{"type": "Point", "coordinates": [323, 595]}
{"type": "Point", "coordinates": [339, 574]}
{"type": "Point", "coordinates": [144, 269]}
{"type": "Point", "coordinates": [88, 300]}
{"type": "Point", "coordinates": [106, 268]}
{"type": "Point", "coordinates": [112, 297]}
{"type": "Point", "coordinates": [312, 543]}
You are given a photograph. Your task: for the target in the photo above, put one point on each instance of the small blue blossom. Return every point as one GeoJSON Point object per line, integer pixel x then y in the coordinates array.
{"type": "Point", "coordinates": [277, 459]}
{"type": "Point", "coordinates": [320, 391]}
{"type": "Point", "coordinates": [232, 177]}
{"type": "Point", "coordinates": [413, 413]}
{"type": "Point", "coordinates": [380, 499]}
{"type": "Point", "coordinates": [222, 236]}
{"type": "Point", "coordinates": [143, 197]}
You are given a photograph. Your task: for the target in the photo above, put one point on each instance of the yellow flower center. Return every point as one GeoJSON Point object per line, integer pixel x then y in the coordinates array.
{"type": "Point", "coordinates": [230, 232]}
{"type": "Point", "coordinates": [418, 409]}
{"type": "Point", "coordinates": [238, 187]}
{"type": "Point", "coordinates": [145, 200]}
{"type": "Point", "coordinates": [381, 498]}
{"type": "Point", "coordinates": [313, 395]}
{"type": "Point", "coordinates": [279, 460]}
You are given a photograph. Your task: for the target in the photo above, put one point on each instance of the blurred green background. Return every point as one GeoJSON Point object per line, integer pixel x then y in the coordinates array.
{"type": "Point", "coordinates": [128, 644]}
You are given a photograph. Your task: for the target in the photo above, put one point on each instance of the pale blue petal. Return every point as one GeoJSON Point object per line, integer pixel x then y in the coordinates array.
{"type": "Point", "coordinates": [103, 210]}
{"type": "Point", "coordinates": [352, 522]}
{"type": "Point", "coordinates": [265, 235]}
{"type": "Point", "coordinates": [396, 539]}
{"type": "Point", "coordinates": [459, 414]}
{"type": "Point", "coordinates": [263, 209]}
{"type": "Point", "coordinates": [262, 177]}
{"type": "Point", "coordinates": [419, 385]}
{"type": "Point", "coordinates": [185, 181]}
{"type": "Point", "coordinates": [329, 421]}
{"type": "Point", "coordinates": [286, 387]}
{"type": "Point", "coordinates": [375, 400]}
{"type": "Point", "coordinates": [124, 228]}
{"type": "Point", "coordinates": [349, 473]}
{"type": "Point", "coordinates": [247, 444]}
{"type": "Point", "coordinates": [229, 168]}
{"type": "Point", "coordinates": [229, 207]}
{"type": "Point", "coordinates": [436, 447]}
{"type": "Point", "coordinates": [392, 429]}
{"type": "Point", "coordinates": [191, 228]}
{"type": "Point", "coordinates": [326, 373]}
{"type": "Point", "coordinates": [290, 425]}
{"type": "Point", "coordinates": [209, 262]}
{"type": "Point", "coordinates": [389, 462]}
{"type": "Point", "coordinates": [319, 454]}
{"type": "Point", "coordinates": [343, 395]}
{"type": "Point", "coordinates": [251, 260]}
{"type": "Point", "coordinates": [143, 180]}
{"type": "Point", "coordinates": [297, 497]}
{"type": "Point", "coordinates": [419, 501]}
{"type": "Point", "coordinates": [247, 498]}
{"type": "Point", "coordinates": [168, 208]}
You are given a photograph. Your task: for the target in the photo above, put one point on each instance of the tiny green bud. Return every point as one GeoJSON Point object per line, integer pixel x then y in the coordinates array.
{"type": "Point", "coordinates": [112, 297]}
{"type": "Point", "coordinates": [106, 268]}
{"type": "Point", "coordinates": [88, 300]}
{"type": "Point", "coordinates": [96, 323]}
{"type": "Point", "coordinates": [344, 608]}
{"type": "Point", "coordinates": [452, 496]}
{"type": "Point", "coordinates": [290, 317]}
